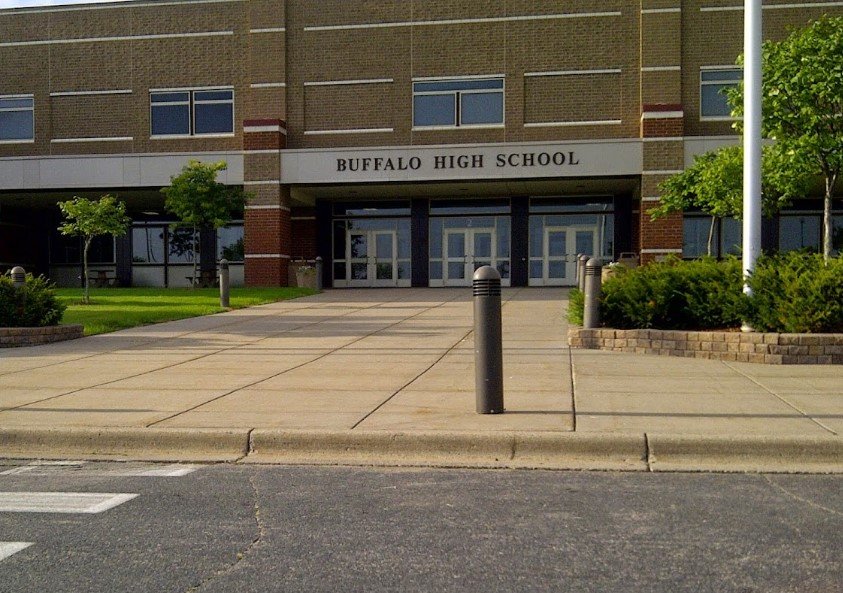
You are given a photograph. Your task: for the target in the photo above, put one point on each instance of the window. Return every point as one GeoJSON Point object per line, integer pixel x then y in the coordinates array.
{"type": "Point", "coordinates": [230, 243]}
{"type": "Point", "coordinates": [458, 103]}
{"type": "Point", "coordinates": [800, 231]}
{"type": "Point", "coordinates": [726, 236]}
{"type": "Point", "coordinates": [191, 112]}
{"type": "Point", "coordinates": [713, 86]}
{"type": "Point", "coordinates": [17, 118]}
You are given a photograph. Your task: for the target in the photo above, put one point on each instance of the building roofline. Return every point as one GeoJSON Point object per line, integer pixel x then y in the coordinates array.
{"type": "Point", "coordinates": [105, 6]}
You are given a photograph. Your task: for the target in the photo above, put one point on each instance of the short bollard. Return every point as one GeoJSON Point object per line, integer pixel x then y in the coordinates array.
{"type": "Point", "coordinates": [591, 310]}
{"type": "Point", "coordinates": [488, 351]}
{"type": "Point", "coordinates": [581, 260]}
{"type": "Point", "coordinates": [18, 276]}
{"type": "Point", "coordinates": [224, 300]}
{"type": "Point", "coordinates": [319, 273]}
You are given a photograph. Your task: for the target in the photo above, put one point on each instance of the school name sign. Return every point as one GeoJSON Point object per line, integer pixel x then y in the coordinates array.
{"type": "Point", "coordinates": [446, 163]}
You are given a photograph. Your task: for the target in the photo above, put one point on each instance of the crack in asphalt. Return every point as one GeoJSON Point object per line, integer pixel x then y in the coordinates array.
{"type": "Point", "coordinates": [242, 556]}
{"type": "Point", "coordinates": [796, 497]}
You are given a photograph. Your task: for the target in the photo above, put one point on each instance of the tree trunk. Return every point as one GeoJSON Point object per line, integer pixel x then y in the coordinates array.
{"type": "Point", "coordinates": [828, 226]}
{"type": "Point", "coordinates": [711, 233]}
{"type": "Point", "coordinates": [195, 260]}
{"type": "Point", "coordinates": [85, 298]}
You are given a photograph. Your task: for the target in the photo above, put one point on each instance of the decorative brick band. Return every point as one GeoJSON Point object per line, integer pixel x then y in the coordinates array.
{"type": "Point", "coordinates": [14, 337]}
{"type": "Point", "coordinates": [728, 346]}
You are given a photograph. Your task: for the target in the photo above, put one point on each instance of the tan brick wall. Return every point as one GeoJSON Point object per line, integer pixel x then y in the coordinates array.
{"type": "Point", "coordinates": [135, 65]}
{"type": "Point", "coordinates": [511, 48]}
{"type": "Point", "coordinates": [343, 107]}
{"type": "Point", "coordinates": [716, 38]}
{"type": "Point", "coordinates": [583, 97]}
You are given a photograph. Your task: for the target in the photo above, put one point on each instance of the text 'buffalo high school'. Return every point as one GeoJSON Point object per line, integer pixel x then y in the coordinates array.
{"type": "Point", "coordinates": [406, 142]}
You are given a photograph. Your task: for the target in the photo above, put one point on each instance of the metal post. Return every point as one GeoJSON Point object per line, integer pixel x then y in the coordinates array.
{"type": "Point", "coordinates": [591, 312]}
{"type": "Point", "coordinates": [224, 301]}
{"type": "Point", "coordinates": [581, 260]}
{"type": "Point", "coordinates": [18, 276]}
{"type": "Point", "coordinates": [319, 273]}
{"type": "Point", "coordinates": [751, 137]}
{"type": "Point", "coordinates": [488, 350]}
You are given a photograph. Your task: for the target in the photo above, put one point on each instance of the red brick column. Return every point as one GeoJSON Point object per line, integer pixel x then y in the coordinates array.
{"type": "Point", "coordinates": [662, 127]}
{"type": "Point", "coordinates": [267, 214]}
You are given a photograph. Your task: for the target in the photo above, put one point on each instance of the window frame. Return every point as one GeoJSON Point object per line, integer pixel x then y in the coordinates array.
{"type": "Point", "coordinates": [30, 109]}
{"type": "Point", "coordinates": [457, 94]}
{"type": "Point", "coordinates": [721, 83]}
{"type": "Point", "coordinates": [192, 103]}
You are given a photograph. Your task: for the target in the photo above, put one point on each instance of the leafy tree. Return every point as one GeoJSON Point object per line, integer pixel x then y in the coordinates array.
{"type": "Point", "coordinates": [802, 102]}
{"type": "Point", "coordinates": [199, 200]}
{"type": "Point", "coordinates": [88, 219]}
{"type": "Point", "coordinates": [714, 185]}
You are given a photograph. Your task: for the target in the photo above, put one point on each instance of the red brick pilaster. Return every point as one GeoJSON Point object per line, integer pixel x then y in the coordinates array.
{"type": "Point", "coordinates": [662, 127]}
{"type": "Point", "coordinates": [267, 215]}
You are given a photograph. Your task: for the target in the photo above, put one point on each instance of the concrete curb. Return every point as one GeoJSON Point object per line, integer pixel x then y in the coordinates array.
{"type": "Point", "coordinates": [784, 454]}
{"type": "Point", "coordinates": [150, 444]}
{"type": "Point", "coordinates": [536, 450]}
{"type": "Point", "coordinates": [450, 449]}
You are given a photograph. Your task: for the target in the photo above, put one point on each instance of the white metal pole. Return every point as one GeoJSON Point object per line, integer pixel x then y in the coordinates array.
{"type": "Point", "coordinates": [752, 137]}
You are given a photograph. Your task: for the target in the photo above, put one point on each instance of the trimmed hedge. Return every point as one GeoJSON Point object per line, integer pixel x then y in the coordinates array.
{"type": "Point", "coordinates": [33, 305]}
{"type": "Point", "coordinates": [791, 293]}
{"type": "Point", "coordinates": [699, 294]}
{"type": "Point", "coordinates": [796, 293]}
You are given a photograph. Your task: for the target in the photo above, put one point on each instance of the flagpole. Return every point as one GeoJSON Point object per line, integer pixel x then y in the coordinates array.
{"type": "Point", "coordinates": [752, 138]}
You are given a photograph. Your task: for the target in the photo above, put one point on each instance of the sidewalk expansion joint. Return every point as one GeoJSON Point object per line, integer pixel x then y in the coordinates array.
{"type": "Point", "coordinates": [783, 400]}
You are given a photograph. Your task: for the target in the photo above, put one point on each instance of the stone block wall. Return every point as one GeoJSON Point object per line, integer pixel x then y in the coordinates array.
{"type": "Point", "coordinates": [766, 348]}
{"type": "Point", "coordinates": [13, 337]}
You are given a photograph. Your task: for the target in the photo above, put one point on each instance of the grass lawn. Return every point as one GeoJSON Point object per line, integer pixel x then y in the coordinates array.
{"type": "Point", "coordinates": [118, 308]}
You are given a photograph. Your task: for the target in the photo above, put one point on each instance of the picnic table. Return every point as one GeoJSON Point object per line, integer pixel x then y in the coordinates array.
{"type": "Point", "coordinates": [101, 279]}
{"type": "Point", "coordinates": [206, 279]}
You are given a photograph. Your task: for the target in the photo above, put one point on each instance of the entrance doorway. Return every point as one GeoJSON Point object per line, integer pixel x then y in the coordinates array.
{"type": "Point", "coordinates": [371, 258]}
{"type": "Point", "coordinates": [464, 251]}
{"type": "Point", "coordinates": [560, 246]}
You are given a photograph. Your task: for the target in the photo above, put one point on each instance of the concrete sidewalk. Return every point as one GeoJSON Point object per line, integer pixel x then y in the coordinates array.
{"type": "Point", "coordinates": [360, 371]}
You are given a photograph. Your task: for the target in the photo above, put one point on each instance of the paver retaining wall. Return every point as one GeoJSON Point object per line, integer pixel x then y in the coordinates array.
{"type": "Point", "coordinates": [12, 337]}
{"type": "Point", "coordinates": [718, 345]}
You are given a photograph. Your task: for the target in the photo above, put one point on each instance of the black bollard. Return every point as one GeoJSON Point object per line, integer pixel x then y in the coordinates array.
{"type": "Point", "coordinates": [593, 291]}
{"type": "Point", "coordinates": [18, 276]}
{"type": "Point", "coordinates": [488, 350]}
{"type": "Point", "coordinates": [224, 300]}
{"type": "Point", "coordinates": [581, 259]}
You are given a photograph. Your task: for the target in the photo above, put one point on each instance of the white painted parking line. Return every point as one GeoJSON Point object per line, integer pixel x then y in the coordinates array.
{"type": "Point", "coordinates": [38, 465]}
{"type": "Point", "coordinates": [112, 470]}
{"type": "Point", "coordinates": [9, 548]}
{"type": "Point", "coordinates": [60, 502]}
{"type": "Point", "coordinates": [167, 471]}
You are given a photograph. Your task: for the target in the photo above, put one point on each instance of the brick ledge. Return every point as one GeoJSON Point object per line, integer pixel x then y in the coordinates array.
{"type": "Point", "coordinates": [766, 348]}
{"type": "Point", "coordinates": [14, 337]}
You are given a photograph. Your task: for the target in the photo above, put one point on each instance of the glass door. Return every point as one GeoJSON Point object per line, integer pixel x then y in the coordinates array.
{"type": "Point", "coordinates": [384, 264]}
{"type": "Point", "coordinates": [371, 258]}
{"type": "Point", "coordinates": [465, 250]}
{"type": "Point", "coordinates": [560, 248]}
{"type": "Point", "coordinates": [357, 258]}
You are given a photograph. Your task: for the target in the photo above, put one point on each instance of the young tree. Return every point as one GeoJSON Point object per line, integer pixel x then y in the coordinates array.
{"type": "Point", "coordinates": [802, 102]}
{"type": "Point", "coordinates": [199, 200]}
{"type": "Point", "coordinates": [714, 185]}
{"type": "Point", "coordinates": [88, 219]}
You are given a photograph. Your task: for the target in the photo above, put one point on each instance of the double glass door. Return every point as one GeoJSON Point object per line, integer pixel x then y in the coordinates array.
{"type": "Point", "coordinates": [464, 251]}
{"type": "Point", "coordinates": [560, 246]}
{"type": "Point", "coordinates": [371, 258]}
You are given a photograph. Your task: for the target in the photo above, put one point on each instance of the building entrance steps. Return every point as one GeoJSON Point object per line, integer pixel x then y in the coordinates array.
{"type": "Point", "coordinates": [333, 368]}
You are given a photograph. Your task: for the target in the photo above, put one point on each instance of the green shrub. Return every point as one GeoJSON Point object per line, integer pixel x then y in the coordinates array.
{"type": "Point", "coordinates": [33, 305]}
{"type": "Point", "coordinates": [699, 294]}
{"type": "Point", "coordinates": [796, 293]}
{"type": "Point", "coordinates": [576, 301]}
